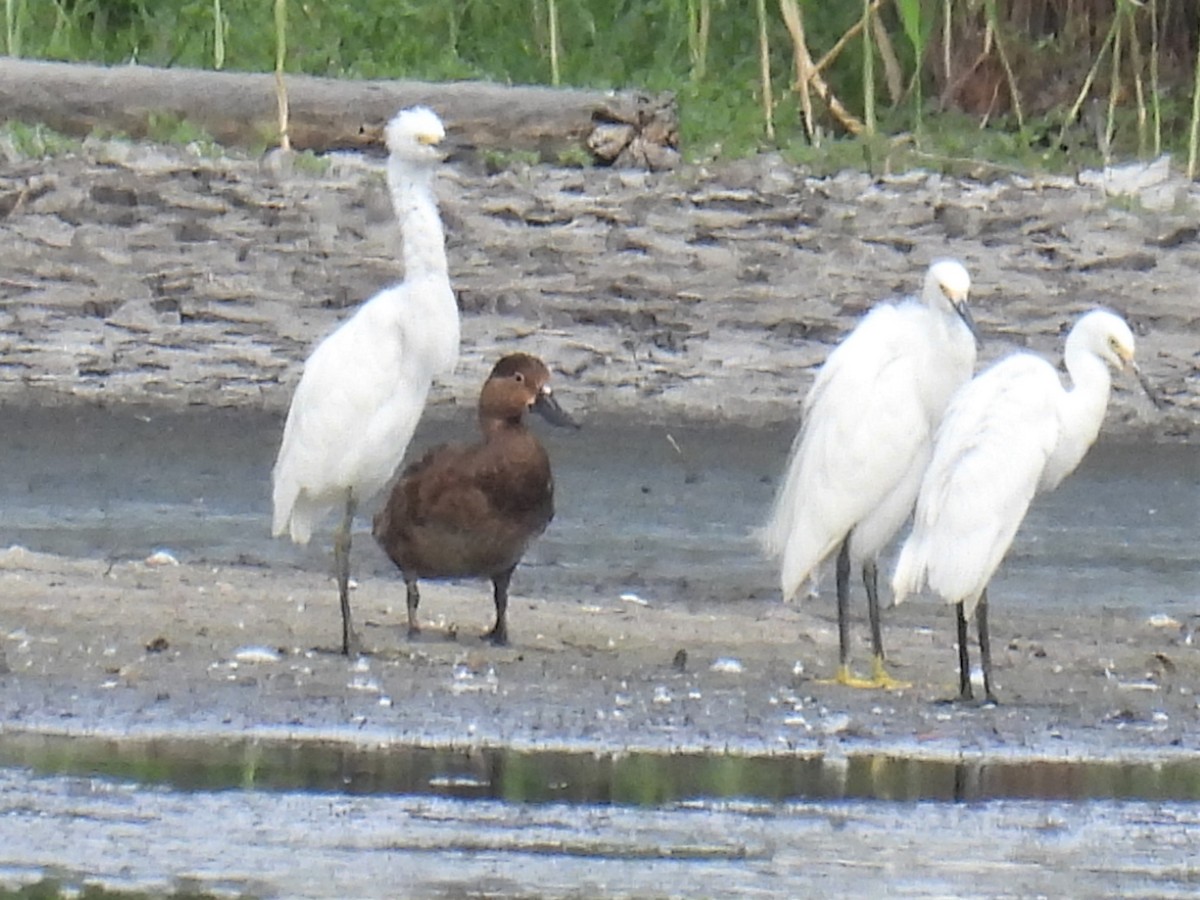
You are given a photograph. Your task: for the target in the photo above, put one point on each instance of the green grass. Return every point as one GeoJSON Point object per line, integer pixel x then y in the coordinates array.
{"type": "Point", "coordinates": [52, 889]}
{"type": "Point", "coordinates": [35, 141]}
{"type": "Point", "coordinates": [649, 44]}
{"type": "Point", "coordinates": [164, 128]}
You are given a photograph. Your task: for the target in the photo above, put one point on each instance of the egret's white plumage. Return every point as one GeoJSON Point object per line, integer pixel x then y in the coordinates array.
{"type": "Point", "coordinates": [865, 438]}
{"type": "Point", "coordinates": [1007, 435]}
{"type": "Point", "coordinates": [364, 386]}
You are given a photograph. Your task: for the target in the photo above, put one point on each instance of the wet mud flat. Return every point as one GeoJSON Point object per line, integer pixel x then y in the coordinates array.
{"type": "Point", "coordinates": [659, 721]}
{"type": "Point", "coordinates": [136, 273]}
{"type": "Point", "coordinates": [803, 786]}
{"type": "Point", "coordinates": [694, 305]}
{"type": "Point", "coordinates": [228, 650]}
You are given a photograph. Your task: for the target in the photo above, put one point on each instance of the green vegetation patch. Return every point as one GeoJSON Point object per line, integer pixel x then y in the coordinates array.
{"type": "Point", "coordinates": [1048, 84]}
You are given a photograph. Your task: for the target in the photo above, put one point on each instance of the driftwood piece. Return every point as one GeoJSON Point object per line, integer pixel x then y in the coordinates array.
{"type": "Point", "coordinates": [328, 114]}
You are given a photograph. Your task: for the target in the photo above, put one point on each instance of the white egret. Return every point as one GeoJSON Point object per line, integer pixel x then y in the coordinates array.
{"type": "Point", "coordinates": [364, 386]}
{"type": "Point", "coordinates": [1010, 433]}
{"type": "Point", "coordinates": [866, 436]}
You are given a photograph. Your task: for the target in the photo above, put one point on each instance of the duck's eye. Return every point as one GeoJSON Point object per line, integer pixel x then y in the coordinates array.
{"type": "Point", "coordinates": [520, 377]}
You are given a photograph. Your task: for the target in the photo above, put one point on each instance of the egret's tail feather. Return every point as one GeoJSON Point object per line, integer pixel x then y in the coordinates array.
{"type": "Point", "coordinates": [909, 576]}
{"type": "Point", "coordinates": [293, 517]}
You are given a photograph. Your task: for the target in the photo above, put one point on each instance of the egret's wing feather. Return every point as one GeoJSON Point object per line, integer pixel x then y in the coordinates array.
{"type": "Point", "coordinates": [989, 453]}
{"type": "Point", "coordinates": [352, 381]}
{"type": "Point", "coordinates": [862, 399]}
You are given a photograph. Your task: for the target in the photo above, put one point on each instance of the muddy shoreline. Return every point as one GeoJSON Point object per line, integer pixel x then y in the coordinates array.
{"type": "Point", "coordinates": [147, 274]}
{"type": "Point", "coordinates": [634, 628]}
{"type": "Point", "coordinates": [201, 651]}
{"type": "Point", "coordinates": [164, 278]}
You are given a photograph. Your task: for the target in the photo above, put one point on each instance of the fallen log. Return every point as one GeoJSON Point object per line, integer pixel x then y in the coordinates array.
{"type": "Point", "coordinates": [626, 128]}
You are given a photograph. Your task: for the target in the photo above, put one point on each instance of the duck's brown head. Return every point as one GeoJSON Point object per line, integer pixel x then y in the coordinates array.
{"type": "Point", "coordinates": [518, 383]}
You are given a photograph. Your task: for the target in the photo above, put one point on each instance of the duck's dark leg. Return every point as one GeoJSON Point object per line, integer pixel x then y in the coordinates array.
{"type": "Point", "coordinates": [964, 656]}
{"type": "Point", "coordinates": [985, 646]}
{"type": "Point", "coordinates": [499, 633]}
{"type": "Point", "coordinates": [879, 673]}
{"type": "Point", "coordinates": [341, 560]}
{"type": "Point", "coordinates": [413, 600]}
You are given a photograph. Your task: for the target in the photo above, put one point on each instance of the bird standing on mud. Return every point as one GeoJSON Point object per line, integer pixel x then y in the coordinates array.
{"type": "Point", "coordinates": [1009, 434]}
{"type": "Point", "coordinates": [472, 511]}
{"type": "Point", "coordinates": [364, 386]}
{"type": "Point", "coordinates": [865, 439]}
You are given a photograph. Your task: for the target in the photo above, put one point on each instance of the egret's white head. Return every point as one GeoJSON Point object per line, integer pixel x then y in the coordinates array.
{"type": "Point", "coordinates": [414, 134]}
{"type": "Point", "coordinates": [948, 283]}
{"type": "Point", "coordinates": [1106, 335]}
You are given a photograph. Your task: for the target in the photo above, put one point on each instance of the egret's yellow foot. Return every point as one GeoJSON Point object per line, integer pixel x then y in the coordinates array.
{"type": "Point", "coordinates": [881, 679]}
{"type": "Point", "coordinates": [846, 678]}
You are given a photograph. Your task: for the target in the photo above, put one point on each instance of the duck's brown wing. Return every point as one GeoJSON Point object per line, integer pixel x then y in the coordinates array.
{"type": "Point", "coordinates": [415, 493]}
{"type": "Point", "coordinates": [465, 511]}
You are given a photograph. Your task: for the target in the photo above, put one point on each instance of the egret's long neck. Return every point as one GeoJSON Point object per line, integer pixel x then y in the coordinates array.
{"type": "Point", "coordinates": [1083, 406]}
{"type": "Point", "coordinates": [954, 348]}
{"type": "Point", "coordinates": [416, 209]}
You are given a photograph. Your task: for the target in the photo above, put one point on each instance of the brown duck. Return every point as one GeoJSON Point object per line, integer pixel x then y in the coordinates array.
{"type": "Point", "coordinates": [472, 511]}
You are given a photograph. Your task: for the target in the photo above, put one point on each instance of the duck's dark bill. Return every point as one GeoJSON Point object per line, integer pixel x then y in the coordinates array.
{"type": "Point", "coordinates": [547, 407]}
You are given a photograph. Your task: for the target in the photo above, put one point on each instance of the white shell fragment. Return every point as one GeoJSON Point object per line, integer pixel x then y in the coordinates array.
{"type": "Point", "coordinates": [256, 654]}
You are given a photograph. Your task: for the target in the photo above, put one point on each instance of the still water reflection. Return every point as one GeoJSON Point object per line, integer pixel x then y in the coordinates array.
{"type": "Point", "coordinates": [628, 779]}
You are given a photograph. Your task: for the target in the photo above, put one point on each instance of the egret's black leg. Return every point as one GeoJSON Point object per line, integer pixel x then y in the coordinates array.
{"type": "Point", "coordinates": [844, 676]}
{"type": "Point", "coordinates": [412, 600]}
{"type": "Point", "coordinates": [985, 646]}
{"type": "Point", "coordinates": [870, 577]}
{"type": "Point", "coordinates": [499, 633]}
{"type": "Point", "coordinates": [341, 559]}
{"type": "Point", "coordinates": [842, 579]}
{"type": "Point", "coordinates": [964, 656]}
{"type": "Point", "coordinates": [879, 674]}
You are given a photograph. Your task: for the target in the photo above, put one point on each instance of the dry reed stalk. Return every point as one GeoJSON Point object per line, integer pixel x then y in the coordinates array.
{"type": "Point", "coordinates": [795, 26]}
{"type": "Point", "coordinates": [764, 64]}
{"type": "Point", "coordinates": [1013, 91]}
{"type": "Point", "coordinates": [218, 36]}
{"type": "Point", "coordinates": [808, 75]}
{"type": "Point", "coordinates": [840, 44]}
{"type": "Point", "coordinates": [1073, 113]}
{"type": "Point", "coordinates": [281, 97]}
{"type": "Point", "coordinates": [1194, 138]}
{"type": "Point", "coordinates": [1137, 65]}
{"type": "Point", "coordinates": [552, 12]}
{"type": "Point", "coordinates": [1114, 87]}
{"type": "Point", "coordinates": [868, 70]}
{"type": "Point", "coordinates": [893, 75]}
{"type": "Point", "coordinates": [947, 40]}
{"type": "Point", "coordinates": [1155, 100]}
{"type": "Point", "coordinates": [699, 24]}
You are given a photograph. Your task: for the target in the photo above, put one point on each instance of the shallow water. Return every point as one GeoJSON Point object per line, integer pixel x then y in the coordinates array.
{"type": "Point", "coordinates": [331, 821]}
{"type": "Point", "coordinates": [662, 511]}
{"type": "Point", "coordinates": [645, 779]}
